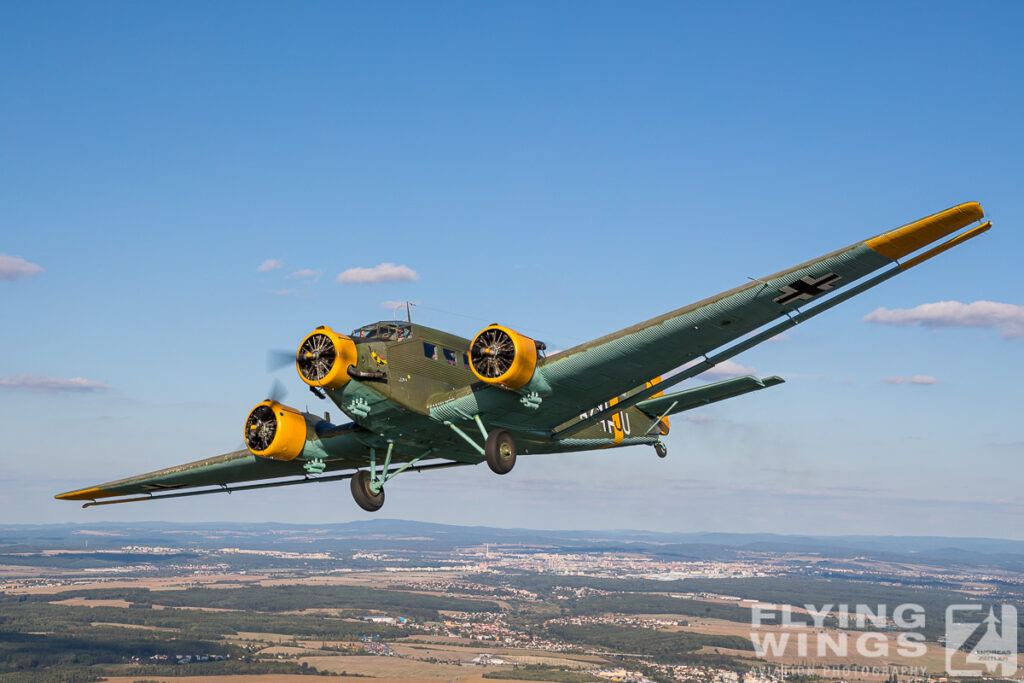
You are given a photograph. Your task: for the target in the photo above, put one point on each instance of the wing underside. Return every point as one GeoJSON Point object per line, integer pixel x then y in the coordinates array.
{"type": "Point", "coordinates": [670, 404]}
{"type": "Point", "coordinates": [237, 466]}
{"type": "Point", "coordinates": [340, 450]}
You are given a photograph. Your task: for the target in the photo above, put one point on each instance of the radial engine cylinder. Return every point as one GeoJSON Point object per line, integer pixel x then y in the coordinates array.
{"type": "Point", "coordinates": [324, 357]}
{"type": "Point", "coordinates": [275, 431]}
{"type": "Point", "coordinates": [499, 355]}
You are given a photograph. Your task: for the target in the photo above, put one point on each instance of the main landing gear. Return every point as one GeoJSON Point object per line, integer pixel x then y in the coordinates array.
{"type": "Point", "coordinates": [368, 485]}
{"type": "Point", "coordinates": [499, 449]}
{"type": "Point", "coordinates": [363, 492]}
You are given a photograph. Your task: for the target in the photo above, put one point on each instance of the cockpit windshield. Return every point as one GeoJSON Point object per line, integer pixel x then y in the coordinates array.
{"type": "Point", "coordinates": [383, 331]}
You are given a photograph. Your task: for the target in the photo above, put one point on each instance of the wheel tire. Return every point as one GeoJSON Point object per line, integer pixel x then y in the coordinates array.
{"type": "Point", "coordinates": [500, 451]}
{"type": "Point", "coordinates": [660, 449]}
{"type": "Point", "coordinates": [364, 496]}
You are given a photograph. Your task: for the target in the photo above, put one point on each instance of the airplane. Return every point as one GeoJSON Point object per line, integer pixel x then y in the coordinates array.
{"type": "Point", "coordinates": [420, 398]}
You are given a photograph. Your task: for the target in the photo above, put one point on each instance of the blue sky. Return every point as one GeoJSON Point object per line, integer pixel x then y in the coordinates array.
{"type": "Point", "coordinates": [566, 169]}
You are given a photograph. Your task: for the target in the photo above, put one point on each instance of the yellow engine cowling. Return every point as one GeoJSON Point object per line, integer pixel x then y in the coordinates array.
{"type": "Point", "coordinates": [502, 356]}
{"type": "Point", "coordinates": [275, 431]}
{"type": "Point", "coordinates": [324, 357]}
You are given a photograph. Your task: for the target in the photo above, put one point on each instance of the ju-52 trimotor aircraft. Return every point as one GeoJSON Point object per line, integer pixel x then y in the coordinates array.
{"type": "Point", "coordinates": [420, 398]}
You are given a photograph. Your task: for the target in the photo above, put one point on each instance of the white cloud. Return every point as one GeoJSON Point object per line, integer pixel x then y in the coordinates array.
{"type": "Point", "coordinates": [51, 384]}
{"type": "Point", "coordinates": [916, 379]}
{"type": "Point", "coordinates": [305, 274]}
{"type": "Point", "coordinates": [385, 272]}
{"type": "Point", "coordinates": [15, 268]}
{"type": "Point", "coordinates": [1007, 318]}
{"type": "Point", "coordinates": [270, 264]}
{"type": "Point", "coordinates": [728, 369]}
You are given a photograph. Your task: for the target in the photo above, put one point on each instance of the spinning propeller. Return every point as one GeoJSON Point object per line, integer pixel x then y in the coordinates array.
{"type": "Point", "coordinates": [279, 358]}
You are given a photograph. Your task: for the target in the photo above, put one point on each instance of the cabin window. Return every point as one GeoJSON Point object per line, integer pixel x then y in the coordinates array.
{"type": "Point", "coordinates": [388, 331]}
{"type": "Point", "coordinates": [430, 351]}
{"type": "Point", "coordinates": [451, 358]}
{"type": "Point", "coordinates": [465, 359]}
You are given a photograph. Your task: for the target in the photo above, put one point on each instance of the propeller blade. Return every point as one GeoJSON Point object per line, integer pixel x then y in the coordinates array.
{"type": "Point", "coordinates": [279, 358]}
{"type": "Point", "coordinates": [277, 391]}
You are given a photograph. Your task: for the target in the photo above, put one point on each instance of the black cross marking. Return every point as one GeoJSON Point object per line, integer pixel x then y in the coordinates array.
{"type": "Point", "coordinates": [806, 288]}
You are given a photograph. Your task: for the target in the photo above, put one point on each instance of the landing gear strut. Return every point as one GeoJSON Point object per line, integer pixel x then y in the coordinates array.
{"type": "Point", "coordinates": [362, 491]}
{"type": "Point", "coordinates": [500, 451]}
{"type": "Point", "coordinates": [499, 448]}
{"type": "Point", "coordinates": [368, 485]}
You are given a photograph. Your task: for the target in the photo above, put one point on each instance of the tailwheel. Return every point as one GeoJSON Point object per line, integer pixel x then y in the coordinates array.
{"type": "Point", "coordinates": [365, 497]}
{"type": "Point", "coordinates": [660, 449]}
{"type": "Point", "coordinates": [500, 451]}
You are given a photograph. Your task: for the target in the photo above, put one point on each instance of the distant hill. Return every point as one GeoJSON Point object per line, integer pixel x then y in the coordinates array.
{"type": "Point", "coordinates": [413, 535]}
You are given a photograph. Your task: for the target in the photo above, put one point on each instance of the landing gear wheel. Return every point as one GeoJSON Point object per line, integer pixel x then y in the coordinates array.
{"type": "Point", "coordinates": [500, 451]}
{"type": "Point", "coordinates": [660, 449]}
{"type": "Point", "coordinates": [364, 495]}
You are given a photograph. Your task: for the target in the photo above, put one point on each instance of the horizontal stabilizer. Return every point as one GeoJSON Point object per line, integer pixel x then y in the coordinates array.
{"type": "Point", "coordinates": [671, 404]}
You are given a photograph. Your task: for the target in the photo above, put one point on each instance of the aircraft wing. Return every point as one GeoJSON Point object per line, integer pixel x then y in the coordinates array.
{"type": "Point", "coordinates": [611, 371]}
{"type": "Point", "coordinates": [346, 452]}
{"type": "Point", "coordinates": [611, 365]}
{"type": "Point", "coordinates": [222, 469]}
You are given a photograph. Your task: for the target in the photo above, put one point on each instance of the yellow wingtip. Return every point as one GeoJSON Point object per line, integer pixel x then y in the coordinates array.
{"type": "Point", "coordinates": [913, 236]}
{"type": "Point", "coordinates": [84, 494]}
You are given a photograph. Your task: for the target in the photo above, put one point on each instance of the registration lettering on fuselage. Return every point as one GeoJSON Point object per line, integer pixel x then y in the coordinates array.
{"type": "Point", "coordinates": [609, 423]}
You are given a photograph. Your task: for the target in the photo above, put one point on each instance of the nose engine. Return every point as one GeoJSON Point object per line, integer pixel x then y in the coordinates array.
{"type": "Point", "coordinates": [324, 357]}
{"type": "Point", "coordinates": [275, 431]}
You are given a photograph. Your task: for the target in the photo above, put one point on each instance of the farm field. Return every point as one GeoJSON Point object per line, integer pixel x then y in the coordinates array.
{"type": "Point", "coordinates": [137, 613]}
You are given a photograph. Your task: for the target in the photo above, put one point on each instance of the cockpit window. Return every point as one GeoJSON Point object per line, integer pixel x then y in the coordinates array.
{"type": "Point", "coordinates": [385, 331]}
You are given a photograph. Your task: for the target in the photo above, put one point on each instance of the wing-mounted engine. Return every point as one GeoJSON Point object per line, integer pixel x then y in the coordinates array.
{"type": "Point", "coordinates": [273, 430]}
{"type": "Point", "coordinates": [324, 357]}
{"type": "Point", "coordinates": [501, 356]}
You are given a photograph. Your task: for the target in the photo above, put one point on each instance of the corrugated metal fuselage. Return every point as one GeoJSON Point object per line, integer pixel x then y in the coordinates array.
{"type": "Point", "coordinates": [425, 367]}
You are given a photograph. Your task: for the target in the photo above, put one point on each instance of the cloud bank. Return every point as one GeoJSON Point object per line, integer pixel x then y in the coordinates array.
{"type": "Point", "coordinates": [385, 272]}
{"type": "Point", "coordinates": [1007, 318]}
{"type": "Point", "coordinates": [51, 384]}
{"type": "Point", "coordinates": [270, 264]}
{"type": "Point", "coordinates": [16, 268]}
